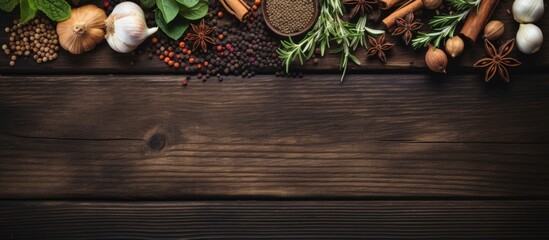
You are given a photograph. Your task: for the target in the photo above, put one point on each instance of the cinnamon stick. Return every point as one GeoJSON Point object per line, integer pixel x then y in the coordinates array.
{"type": "Point", "coordinates": [411, 6]}
{"type": "Point", "coordinates": [477, 19]}
{"type": "Point", "coordinates": [386, 4]}
{"type": "Point", "coordinates": [238, 8]}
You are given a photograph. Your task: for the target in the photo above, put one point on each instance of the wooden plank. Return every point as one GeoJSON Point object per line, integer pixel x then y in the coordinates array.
{"type": "Point", "coordinates": [105, 60]}
{"type": "Point", "coordinates": [275, 220]}
{"type": "Point", "coordinates": [379, 135]}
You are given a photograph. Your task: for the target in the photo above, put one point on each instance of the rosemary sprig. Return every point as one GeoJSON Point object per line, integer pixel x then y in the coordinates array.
{"type": "Point", "coordinates": [461, 5]}
{"type": "Point", "coordinates": [329, 27]}
{"type": "Point", "coordinates": [444, 25]}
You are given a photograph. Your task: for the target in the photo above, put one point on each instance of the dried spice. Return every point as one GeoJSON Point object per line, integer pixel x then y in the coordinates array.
{"type": "Point", "coordinates": [201, 36]}
{"type": "Point", "coordinates": [444, 25]}
{"type": "Point", "coordinates": [498, 60]}
{"type": "Point", "coordinates": [289, 16]}
{"type": "Point", "coordinates": [360, 7]}
{"type": "Point", "coordinates": [36, 39]}
{"type": "Point", "coordinates": [406, 27]}
{"type": "Point", "coordinates": [243, 50]}
{"type": "Point", "coordinates": [379, 46]}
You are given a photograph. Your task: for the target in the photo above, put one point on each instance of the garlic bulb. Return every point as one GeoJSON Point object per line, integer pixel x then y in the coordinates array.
{"type": "Point", "coordinates": [528, 11]}
{"type": "Point", "coordinates": [436, 59]}
{"type": "Point", "coordinates": [83, 30]}
{"type": "Point", "coordinates": [454, 46]}
{"type": "Point", "coordinates": [529, 38]}
{"type": "Point", "coordinates": [126, 27]}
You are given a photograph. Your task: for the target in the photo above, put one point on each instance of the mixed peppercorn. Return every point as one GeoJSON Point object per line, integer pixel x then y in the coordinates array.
{"type": "Point", "coordinates": [212, 49]}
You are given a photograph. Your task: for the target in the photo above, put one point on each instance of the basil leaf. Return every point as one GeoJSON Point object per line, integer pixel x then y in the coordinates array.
{"type": "Point", "coordinates": [175, 29]}
{"type": "Point", "coordinates": [198, 11]}
{"type": "Point", "coordinates": [56, 10]}
{"type": "Point", "coordinates": [28, 11]}
{"type": "Point", "coordinates": [188, 3]}
{"type": "Point", "coordinates": [147, 3]}
{"type": "Point", "coordinates": [8, 5]}
{"type": "Point", "coordinates": [169, 9]}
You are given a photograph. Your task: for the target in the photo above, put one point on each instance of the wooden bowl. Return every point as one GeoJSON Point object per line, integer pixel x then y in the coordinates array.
{"type": "Point", "coordinates": [316, 5]}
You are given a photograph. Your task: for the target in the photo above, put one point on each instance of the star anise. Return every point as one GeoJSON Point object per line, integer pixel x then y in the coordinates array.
{"type": "Point", "coordinates": [406, 26]}
{"type": "Point", "coordinates": [379, 46]}
{"type": "Point", "coordinates": [498, 60]}
{"type": "Point", "coordinates": [201, 37]}
{"type": "Point", "coordinates": [360, 6]}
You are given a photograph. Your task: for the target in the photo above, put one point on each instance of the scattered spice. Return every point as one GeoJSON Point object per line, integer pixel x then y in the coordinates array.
{"type": "Point", "coordinates": [37, 38]}
{"type": "Point", "coordinates": [360, 7]}
{"type": "Point", "coordinates": [379, 46]}
{"type": "Point", "coordinates": [406, 27]}
{"type": "Point", "coordinates": [290, 16]}
{"type": "Point", "coordinates": [243, 50]}
{"type": "Point", "coordinates": [498, 60]}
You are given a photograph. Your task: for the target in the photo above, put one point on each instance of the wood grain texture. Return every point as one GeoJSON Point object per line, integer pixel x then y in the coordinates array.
{"type": "Point", "coordinates": [104, 60]}
{"type": "Point", "coordinates": [145, 137]}
{"type": "Point", "coordinates": [275, 220]}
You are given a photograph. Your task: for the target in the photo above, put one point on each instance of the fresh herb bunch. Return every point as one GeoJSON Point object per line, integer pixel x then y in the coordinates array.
{"type": "Point", "coordinates": [56, 10]}
{"type": "Point", "coordinates": [444, 25]}
{"type": "Point", "coordinates": [329, 28]}
{"type": "Point", "coordinates": [174, 16]}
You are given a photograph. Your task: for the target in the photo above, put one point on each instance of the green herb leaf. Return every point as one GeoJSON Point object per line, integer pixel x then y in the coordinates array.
{"type": "Point", "coordinates": [196, 12]}
{"type": "Point", "coordinates": [175, 29]}
{"type": "Point", "coordinates": [147, 3]}
{"type": "Point", "coordinates": [8, 5]}
{"type": "Point", "coordinates": [28, 11]}
{"type": "Point", "coordinates": [56, 10]}
{"type": "Point", "coordinates": [188, 3]}
{"type": "Point", "coordinates": [169, 9]}
{"type": "Point", "coordinates": [355, 59]}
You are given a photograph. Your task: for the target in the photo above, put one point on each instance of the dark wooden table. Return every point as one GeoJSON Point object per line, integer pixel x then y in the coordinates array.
{"type": "Point", "coordinates": [92, 147]}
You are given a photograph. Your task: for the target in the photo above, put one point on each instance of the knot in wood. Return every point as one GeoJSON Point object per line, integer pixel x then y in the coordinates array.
{"type": "Point", "coordinates": [157, 142]}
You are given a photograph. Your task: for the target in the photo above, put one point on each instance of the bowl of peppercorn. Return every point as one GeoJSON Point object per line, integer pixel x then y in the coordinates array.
{"type": "Point", "coordinates": [290, 18]}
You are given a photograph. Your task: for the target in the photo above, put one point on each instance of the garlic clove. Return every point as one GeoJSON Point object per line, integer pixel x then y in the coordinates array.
{"type": "Point", "coordinates": [436, 59]}
{"type": "Point", "coordinates": [528, 11]}
{"type": "Point", "coordinates": [494, 30]}
{"type": "Point", "coordinates": [431, 4]}
{"type": "Point", "coordinates": [454, 46]}
{"type": "Point", "coordinates": [529, 38]}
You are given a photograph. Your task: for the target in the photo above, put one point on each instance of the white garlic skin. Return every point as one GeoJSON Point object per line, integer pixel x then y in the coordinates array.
{"type": "Point", "coordinates": [528, 11]}
{"type": "Point", "coordinates": [127, 28]}
{"type": "Point", "coordinates": [529, 38]}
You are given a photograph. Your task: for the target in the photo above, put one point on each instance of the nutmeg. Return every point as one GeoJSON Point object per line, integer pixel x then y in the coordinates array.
{"type": "Point", "coordinates": [454, 46]}
{"type": "Point", "coordinates": [431, 4]}
{"type": "Point", "coordinates": [493, 30]}
{"type": "Point", "coordinates": [436, 59]}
